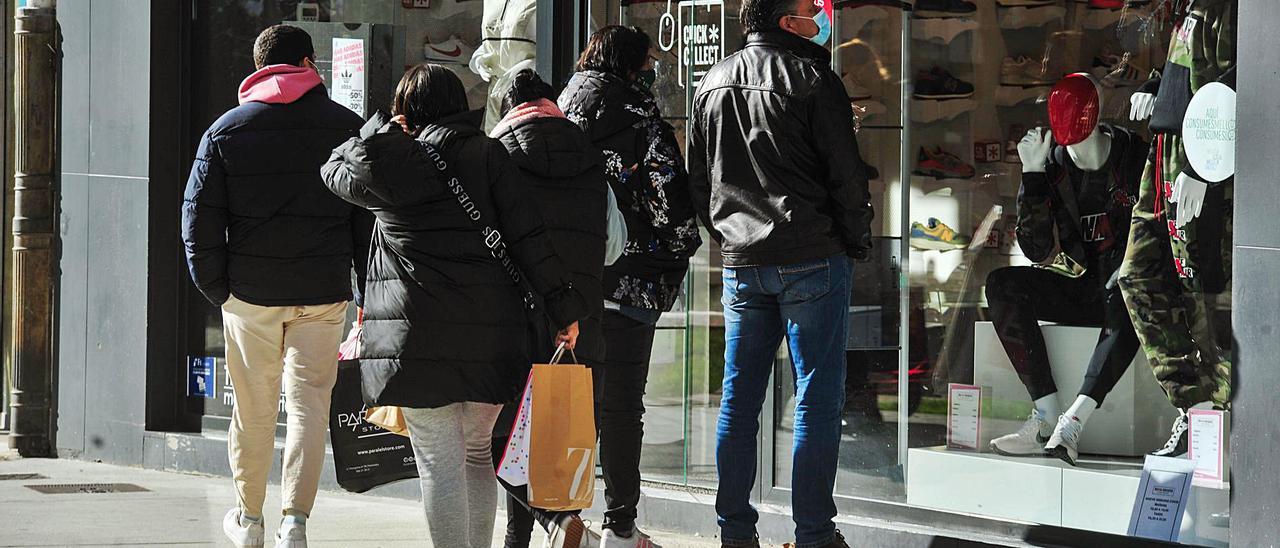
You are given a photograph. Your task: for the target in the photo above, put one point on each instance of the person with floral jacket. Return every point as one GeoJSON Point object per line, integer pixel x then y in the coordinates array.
{"type": "Point", "coordinates": [609, 99]}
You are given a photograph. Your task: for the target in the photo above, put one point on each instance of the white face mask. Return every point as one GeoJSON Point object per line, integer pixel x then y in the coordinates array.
{"type": "Point", "coordinates": [824, 27]}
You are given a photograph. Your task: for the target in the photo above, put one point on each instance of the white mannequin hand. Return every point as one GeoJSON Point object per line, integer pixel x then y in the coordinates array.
{"type": "Point", "coordinates": [1034, 149]}
{"type": "Point", "coordinates": [1188, 193]}
{"type": "Point", "coordinates": [1141, 105]}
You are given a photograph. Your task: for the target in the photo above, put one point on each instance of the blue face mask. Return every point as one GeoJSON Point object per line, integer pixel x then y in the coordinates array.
{"type": "Point", "coordinates": [824, 28]}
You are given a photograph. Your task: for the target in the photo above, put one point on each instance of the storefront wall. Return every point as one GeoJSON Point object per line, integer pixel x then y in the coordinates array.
{"type": "Point", "coordinates": [123, 401]}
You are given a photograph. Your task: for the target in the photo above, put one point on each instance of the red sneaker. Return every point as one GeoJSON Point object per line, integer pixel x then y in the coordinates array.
{"type": "Point", "coordinates": [939, 164]}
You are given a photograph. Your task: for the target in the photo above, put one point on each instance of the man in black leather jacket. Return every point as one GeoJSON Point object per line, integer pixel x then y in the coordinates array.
{"type": "Point", "coordinates": [778, 181]}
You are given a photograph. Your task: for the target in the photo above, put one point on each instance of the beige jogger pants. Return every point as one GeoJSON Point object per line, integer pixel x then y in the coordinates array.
{"type": "Point", "coordinates": [264, 343]}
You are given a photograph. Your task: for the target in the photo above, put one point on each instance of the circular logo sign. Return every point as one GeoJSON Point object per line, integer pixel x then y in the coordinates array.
{"type": "Point", "coordinates": [1209, 132]}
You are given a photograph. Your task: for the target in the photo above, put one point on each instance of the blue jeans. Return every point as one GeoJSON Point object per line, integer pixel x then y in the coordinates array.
{"type": "Point", "coordinates": [809, 303]}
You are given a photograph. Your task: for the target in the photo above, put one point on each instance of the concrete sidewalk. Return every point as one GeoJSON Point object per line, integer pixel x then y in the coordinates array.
{"type": "Point", "coordinates": [187, 510]}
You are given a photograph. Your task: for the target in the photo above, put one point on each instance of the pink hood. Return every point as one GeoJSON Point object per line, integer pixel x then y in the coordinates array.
{"type": "Point", "coordinates": [541, 108]}
{"type": "Point", "coordinates": [278, 84]}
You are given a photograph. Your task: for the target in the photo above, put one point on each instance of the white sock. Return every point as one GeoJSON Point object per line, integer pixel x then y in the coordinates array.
{"type": "Point", "coordinates": [1047, 407]}
{"type": "Point", "coordinates": [246, 521]}
{"type": "Point", "coordinates": [1082, 408]}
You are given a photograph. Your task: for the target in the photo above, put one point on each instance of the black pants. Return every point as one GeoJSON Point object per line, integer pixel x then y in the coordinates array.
{"type": "Point", "coordinates": [1020, 296]}
{"type": "Point", "coordinates": [628, 344]}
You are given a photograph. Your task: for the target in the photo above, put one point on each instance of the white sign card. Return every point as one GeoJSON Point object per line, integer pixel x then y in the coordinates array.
{"type": "Point", "coordinates": [701, 38]}
{"type": "Point", "coordinates": [964, 416]}
{"type": "Point", "coordinates": [1207, 446]}
{"type": "Point", "coordinates": [1161, 499]}
{"type": "Point", "coordinates": [1209, 132]}
{"type": "Point", "coordinates": [348, 74]}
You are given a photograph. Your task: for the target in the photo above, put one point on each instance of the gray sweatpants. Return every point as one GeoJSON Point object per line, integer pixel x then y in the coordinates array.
{"type": "Point", "coordinates": [455, 467]}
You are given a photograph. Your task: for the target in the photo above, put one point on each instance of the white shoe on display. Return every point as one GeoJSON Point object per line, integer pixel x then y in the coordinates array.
{"type": "Point", "coordinates": [241, 532]}
{"type": "Point", "coordinates": [1028, 440]}
{"type": "Point", "coordinates": [856, 91]}
{"type": "Point", "coordinates": [1065, 440]}
{"type": "Point", "coordinates": [292, 534]}
{"type": "Point", "coordinates": [1022, 71]}
{"type": "Point", "coordinates": [636, 540]}
{"type": "Point", "coordinates": [451, 51]}
{"type": "Point", "coordinates": [1177, 444]}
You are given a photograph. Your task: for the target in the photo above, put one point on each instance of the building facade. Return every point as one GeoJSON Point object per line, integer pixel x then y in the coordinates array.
{"type": "Point", "coordinates": [940, 97]}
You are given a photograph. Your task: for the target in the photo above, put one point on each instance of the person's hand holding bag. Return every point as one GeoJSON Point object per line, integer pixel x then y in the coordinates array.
{"type": "Point", "coordinates": [568, 336]}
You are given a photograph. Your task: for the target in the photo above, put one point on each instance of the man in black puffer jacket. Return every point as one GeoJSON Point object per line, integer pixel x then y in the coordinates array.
{"type": "Point", "coordinates": [267, 242]}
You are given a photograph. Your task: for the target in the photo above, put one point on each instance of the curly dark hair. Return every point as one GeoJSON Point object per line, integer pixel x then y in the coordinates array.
{"type": "Point", "coordinates": [282, 45]}
{"type": "Point", "coordinates": [427, 93]}
{"type": "Point", "coordinates": [763, 15]}
{"type": "Point", "coordinates": [527, 86]}
{"type": "Point", "coordinates": [616, 50]}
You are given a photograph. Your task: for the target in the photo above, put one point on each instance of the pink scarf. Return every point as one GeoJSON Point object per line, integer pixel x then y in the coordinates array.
{"type": "Point", "coordinates": [541, 108]}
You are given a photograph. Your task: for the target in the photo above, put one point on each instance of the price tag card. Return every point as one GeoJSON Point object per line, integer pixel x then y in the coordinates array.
{"type": "Point", "coordinates": [964, 416]}
{"type": "Point", "coordinates": [1161, 499]}
{"type": "Point", "coordinates": [1208, 446]}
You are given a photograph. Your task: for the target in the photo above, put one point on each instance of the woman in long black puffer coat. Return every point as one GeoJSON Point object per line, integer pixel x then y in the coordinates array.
{"type": "Point", "coordinates": [445, 326]}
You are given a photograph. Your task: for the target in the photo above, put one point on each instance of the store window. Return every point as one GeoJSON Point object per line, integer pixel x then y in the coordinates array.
{"type": "Point", "coordinates": [931, 380]}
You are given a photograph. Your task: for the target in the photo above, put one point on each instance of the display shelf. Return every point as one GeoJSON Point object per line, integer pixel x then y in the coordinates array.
{"type": "Point", "coordinates": [1030, 17]}
{"type": "Point", "coordinates": [1098, 19]}
{"type": "Point", "coordinates": [928, 111]}
{"type": "Point", "coordinates": [1012, 96]}
{"type": "Point", "coordinates": [943, 31]}
{"type": "Point", "coordinates": [930, 186]}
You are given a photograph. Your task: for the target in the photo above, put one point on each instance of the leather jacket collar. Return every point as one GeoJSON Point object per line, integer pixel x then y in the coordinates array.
{"type": "Point", "coordinates": [790, 42]}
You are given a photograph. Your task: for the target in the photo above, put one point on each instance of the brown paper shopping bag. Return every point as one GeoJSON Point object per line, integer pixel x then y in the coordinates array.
{"type": "Point", "coordinates": [562, 436]}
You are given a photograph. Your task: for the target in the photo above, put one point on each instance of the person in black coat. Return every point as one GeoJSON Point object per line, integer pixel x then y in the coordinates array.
{"type": "Point", "coordinates": [445, 329]}
{"type": "Point", "coordinates": [563, 171]}
{"type": "Point", "coordinates": [271, 246]}
{"type": "Point", "coordinates": [609, 99]}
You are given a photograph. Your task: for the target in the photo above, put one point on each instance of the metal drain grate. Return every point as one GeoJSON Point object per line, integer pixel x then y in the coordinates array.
{"type": "Point", "coordinates": [21, 477]}
{"type": "Point", "coordinates": [87, 488]}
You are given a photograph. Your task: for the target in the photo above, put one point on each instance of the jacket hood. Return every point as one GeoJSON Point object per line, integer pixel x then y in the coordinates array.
{"type": "Point", "coordinates": [548, 146]}
{"type": "Point", "coordinates": [278, 84]}
{"type": "Point", "coordinates": [443, 132]}
{"type": "Point", "coordinates": [603, 104]}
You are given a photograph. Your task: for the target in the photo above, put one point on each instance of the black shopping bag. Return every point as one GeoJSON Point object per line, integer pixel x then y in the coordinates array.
{"type": "Point", "coordinates": [364, 456]}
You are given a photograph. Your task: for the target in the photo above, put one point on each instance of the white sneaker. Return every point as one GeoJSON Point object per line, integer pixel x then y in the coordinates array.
{"type": "Point", "coordinates": [1028, 440]}
{"type": "Point", "coordinates": [636, 540]}
{"type": "Point", "coordinates": [292, 534]}
{"type": "Point", "coordinates": [856, 91]}
{"type": "Point", "coordinates": [1177, 444]}
{"type": "Point", "coordinates": [451, 51]}
{"type": "Point", "coordinates": [572, 532]}
{"type": "Point", "coordinates": [241, 532]}
{"type": "Point", "coordinates": [1065, 439]}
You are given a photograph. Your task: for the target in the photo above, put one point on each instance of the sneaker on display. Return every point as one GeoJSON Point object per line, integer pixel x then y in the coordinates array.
{"type": "Point", "coordinates": [292, 534]}
{"type": "Point", "coordinates": [1028, 440]}
{"type": "Point", "coordinates": [1024, 3]}
{"type": "Point", "coordinates": [1177, 444]}
{"type": "Point", "coordinates": [940, 164]}
{"type": "Point", "coordinates": [943, 8]}
{"type": "Point", "coordinates": [937, 236]}
{"type": "Point", "coordinates": [855, 90]}
{"type": "Point", "coordinates": [240, 531]}
{"type": "Point", "coordinates": [637, 539]}
{"type": "Point", "coordinates": [1106, 4]}
{"type": "Point", "coordinates": [937, 83]}
{"type": "Point", "coordinates": [1065, 441]}
{"type": "Point", "coordinates": [451, 51]}
{"type": "Point", "coordinates": [1022, 71]}
{"type": "Point", "coordinates": [1114, 71]}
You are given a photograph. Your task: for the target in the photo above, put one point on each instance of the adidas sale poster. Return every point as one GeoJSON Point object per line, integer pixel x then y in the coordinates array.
{"type": "Point", "coordinates": [348, 75]}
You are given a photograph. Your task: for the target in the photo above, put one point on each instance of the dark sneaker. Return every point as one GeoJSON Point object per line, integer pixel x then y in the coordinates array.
{"type": "Point", "coordinates": [937, 83]}
{"type": "Point", "coordinates": [943, 8]}
{"type": "Point", "coordinates": [940, 164]}
{"type": "Point", "coordinates": [1177, 444]}
{"type": "Point", "coordinates": [837, 542]}
{"type": "Point", "coordinates": [753, 543]}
